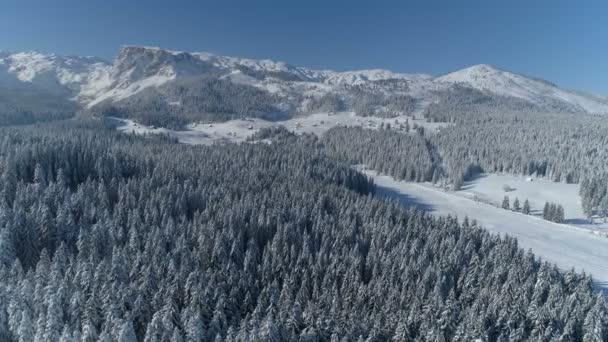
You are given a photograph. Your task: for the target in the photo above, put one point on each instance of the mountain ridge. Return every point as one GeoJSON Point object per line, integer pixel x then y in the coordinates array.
{"type": "Point", "coordinates": [92, 81]}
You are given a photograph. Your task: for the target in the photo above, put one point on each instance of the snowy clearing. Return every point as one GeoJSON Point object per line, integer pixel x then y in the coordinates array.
{"type": "Point", "coordinates": [488, 188]}
{"type": "Point", "coordinates": [239, 130]}
{"type": "Point", "coordinates": [565, 245]}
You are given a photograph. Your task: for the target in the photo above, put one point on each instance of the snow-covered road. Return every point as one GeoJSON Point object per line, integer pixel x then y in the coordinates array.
{"type": "Point", "coordinates": [567, 246]}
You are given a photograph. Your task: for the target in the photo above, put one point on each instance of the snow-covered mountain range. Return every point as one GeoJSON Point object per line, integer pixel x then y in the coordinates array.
{"type": "Point", "coordinates": [143, 74]}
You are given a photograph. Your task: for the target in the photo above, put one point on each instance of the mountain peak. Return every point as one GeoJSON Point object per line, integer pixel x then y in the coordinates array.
{"type": "Point", "coordinates": [481, 68]}
{"type": "Point", "coordinates": [473, 71]}
{"type": "Point", "coordinates": [490, 79]}
{"type": "Point", "coordinates": [485, 67]}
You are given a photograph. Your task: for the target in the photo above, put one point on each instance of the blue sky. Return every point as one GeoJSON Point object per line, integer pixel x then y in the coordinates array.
{"type": "Point", "coordinates": [565, 42]}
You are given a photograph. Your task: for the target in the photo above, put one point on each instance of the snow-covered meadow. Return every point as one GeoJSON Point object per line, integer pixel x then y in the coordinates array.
{"type": "Point", "coordinates": [566, 245]}
{"type": "Point", "coordinates": [490, 188]}
{"type": "Point", "coordinates": [239, 130]}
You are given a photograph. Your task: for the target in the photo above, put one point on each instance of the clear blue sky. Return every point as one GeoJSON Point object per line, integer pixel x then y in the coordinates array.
{"type": "Point", "coordinates": [565, 42]}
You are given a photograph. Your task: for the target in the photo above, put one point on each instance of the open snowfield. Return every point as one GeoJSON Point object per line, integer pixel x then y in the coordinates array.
{"type": "Point", "coordinates": [488, 188]}
{"type": "Point", "coordinates": [565, 245]}
{"type": "Point", "coordinates": [201, 134]}
{"type": "Point", "coordinates": [239, 130]}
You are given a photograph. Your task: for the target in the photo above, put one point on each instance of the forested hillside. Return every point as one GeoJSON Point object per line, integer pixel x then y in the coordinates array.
{"type": "Point", "coordinates": [405, 157]}
{"type": "Point", "coordinates": [25, 106]}
{"type": "Point", "coordinates": [108, 237]}
{"type": "Point", "coordinates": [559, 146]}
{"type": "Point", "coordinates": [193, 100]}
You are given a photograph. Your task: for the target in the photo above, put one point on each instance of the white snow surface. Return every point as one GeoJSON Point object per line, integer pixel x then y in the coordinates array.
{"type": "Point", "coordinates": [488, 188]}
{"type": "Point", "coordinates": [565, 245]}
{"type": "Point", "coordinates": [77, 76]}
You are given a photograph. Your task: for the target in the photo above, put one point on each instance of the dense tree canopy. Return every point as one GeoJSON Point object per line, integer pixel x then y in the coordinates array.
{"type": "Point", "coordinates": [114, 237]}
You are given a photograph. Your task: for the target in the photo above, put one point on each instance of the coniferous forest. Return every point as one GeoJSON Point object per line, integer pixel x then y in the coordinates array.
{"type": "Point", "coordinates": [111, 237]}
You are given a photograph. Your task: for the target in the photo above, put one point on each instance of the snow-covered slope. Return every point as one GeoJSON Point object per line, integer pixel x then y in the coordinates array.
{"type": "Point", "coordinates": [76, 77]}
{"type": "Point", "coordinates": [494, 80]}
{"type": "Point", "coordinates": [562, 244]}
{"type": "Point", "coordinates": [137, 68]}
{"type": "Point", "coordinates": [364, 76]}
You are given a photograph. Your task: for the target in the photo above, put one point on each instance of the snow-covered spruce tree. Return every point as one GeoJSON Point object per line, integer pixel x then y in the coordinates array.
{"type": "Point", "coordinates": [505, 203]}
{"type": "Point", "coordinates": [405, 157]}
{"type": "Point", "coordinates": [516, 206]}
{"type": "Point", "coordinates": [547, 214]}
{"type": "Point", "coordinates": [526, 208]}
{"type": "Point", "coordinates": [553, 212]}
{"type": "Point", "coordinates": [250, 242]}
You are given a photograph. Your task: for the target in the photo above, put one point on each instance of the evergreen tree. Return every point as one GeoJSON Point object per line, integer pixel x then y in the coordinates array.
{"type": "Point", "coordinates": [526, 207]}
{"type": "Point", "coordinates": [195, 330]}
{"type": "Point", "coordinates": [559, 214]}
{"type": "Point", "coordinates": [127, 333]}
{"type": "Point", "coordinates": [54, 321]}
{"type": "Point", "coordinates": [505, 203]}
{"type": "Point", "coordinates": [66, 335]}
{"type": "Point", "coordinates": [516, 206]}
{"type": "Point", "coordinates": [553, 212]}
{"type": "Point", "coordinates": [26, 330]}
{"type": "Point", "coordinates": [596, 323]}
{"type": "Point", "coordinates": [280, 241]}
{"type": "Point", "coordinates": [89, 332]}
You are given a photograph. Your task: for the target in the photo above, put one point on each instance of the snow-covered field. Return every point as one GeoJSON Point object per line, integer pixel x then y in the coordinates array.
{"type": "Point", "coordinates": [488, 188]}
{"type": "Point", "coordinates": [239, 130]}
{"type": "Point", "coordinates": [565, 245]}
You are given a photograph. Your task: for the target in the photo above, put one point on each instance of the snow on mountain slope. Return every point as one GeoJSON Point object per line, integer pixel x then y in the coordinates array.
{"type": "Point", "coordinates": [137, 68]}
{"type": "Point", "coordinates": [73, 76]}
{"type": "Point", "coordinates": [264, 65]}
{"type": "Point", "coordinates": [364, 76]}
{"type": "Point", "coordinates": [91, 81]}
{"type": "Point", "coordinates": [494, 80]}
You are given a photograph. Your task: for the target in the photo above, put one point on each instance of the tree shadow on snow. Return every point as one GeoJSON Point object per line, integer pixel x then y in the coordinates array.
{"type": "Point", "coordinates": [405, 200]}
{"type": "Point", "coordinates": [472, 181]}
{"type": "Point", "coordinates": [577, 221]}
{"type": "Point", "coordinates": [601, 286]}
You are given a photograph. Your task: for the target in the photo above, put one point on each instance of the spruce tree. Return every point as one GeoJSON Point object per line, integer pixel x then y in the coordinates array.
{"type": "Point", "coordinates": [547, 211]}
{"type": "Point", "coordinates": [127, 333]}
{"type": "Point", "coordinates": [516, 204]}
{"type": "Point", "coordinates": [526, 208]}
{"type": "Point", "coordinates": [559, 214]}
{"type": "Point", "coordinates": [261, 241]}
{"type": "Point", "coordinates": [26, 330]}
{"type": "Point", "coordinates": [505, 203]}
